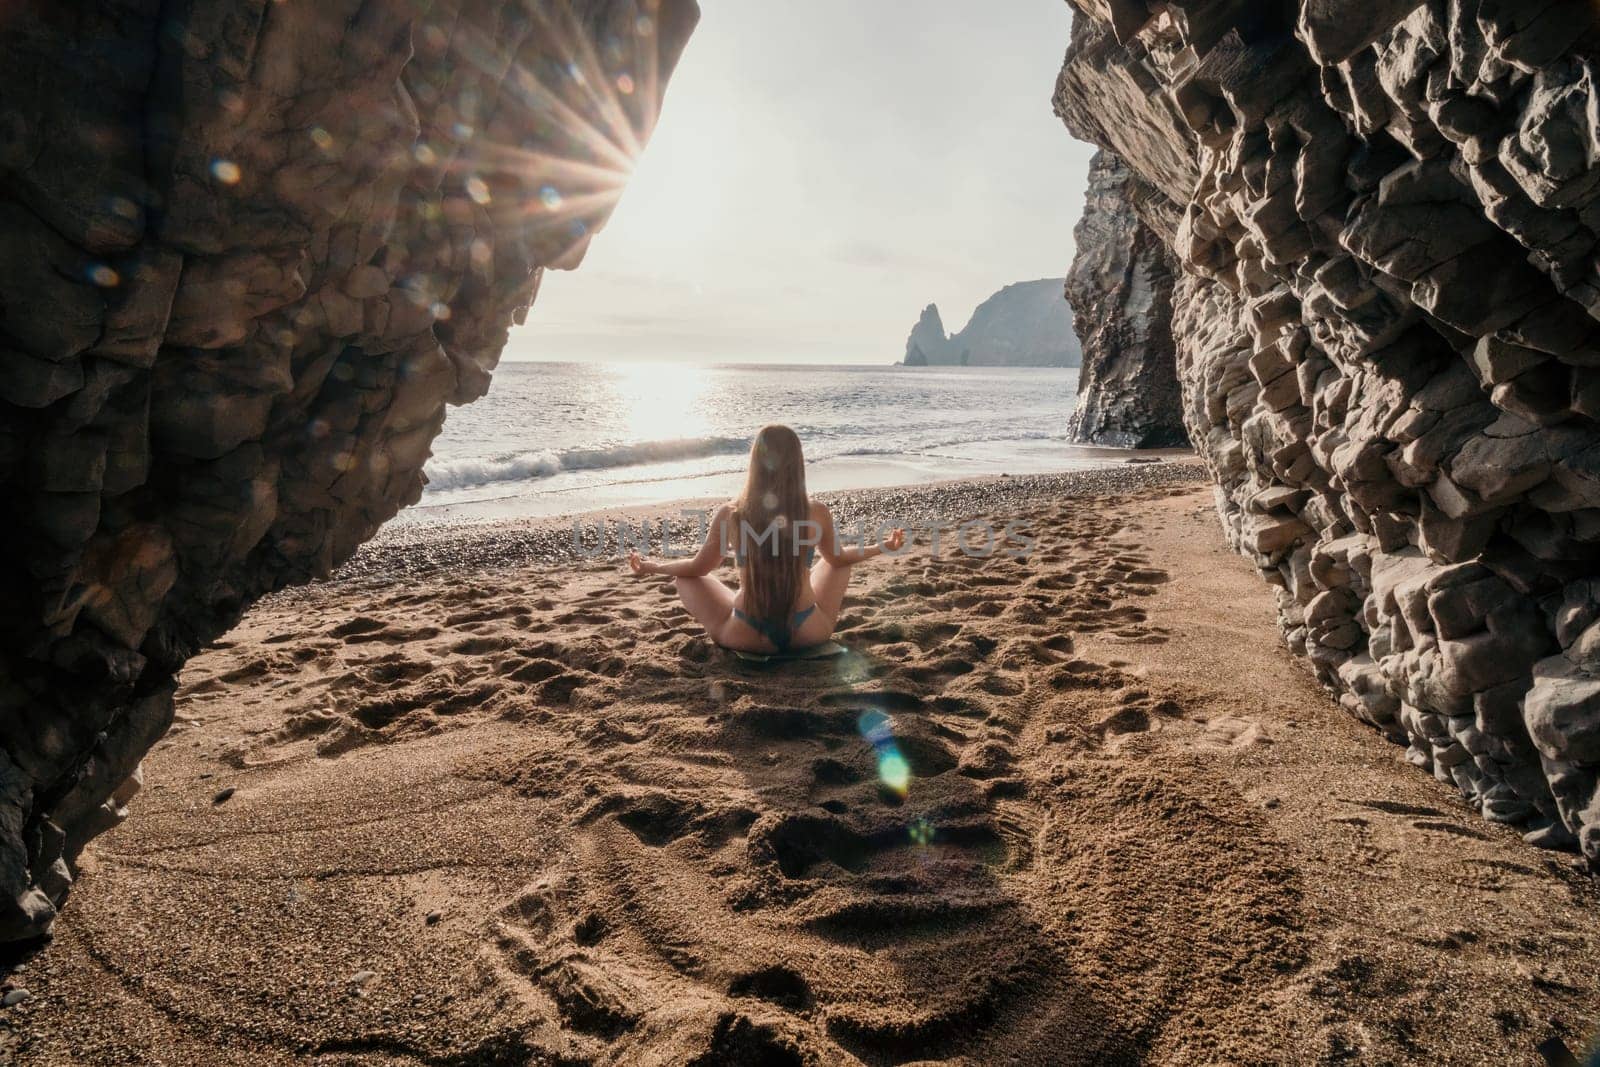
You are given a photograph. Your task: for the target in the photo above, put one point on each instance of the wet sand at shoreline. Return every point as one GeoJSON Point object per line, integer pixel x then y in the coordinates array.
{"type": "Point", "coordinates": [476, 801]}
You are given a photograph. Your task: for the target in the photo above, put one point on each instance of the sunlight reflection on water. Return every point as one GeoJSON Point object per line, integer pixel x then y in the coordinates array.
{"type": "Point", "coordinates": [661, 402]}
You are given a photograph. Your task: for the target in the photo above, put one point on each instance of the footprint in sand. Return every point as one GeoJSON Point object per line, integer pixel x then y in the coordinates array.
{"type": "Point", "coordinates": [357, 626]}
{"type": "Point", "coordinates": [484, 614]}
{"type": "Point", "coordinates": [1230, 733]}
{"type": "Point", "coordinates": [480, 646]}
{"type": "Point", "coordinates": [561, 688]}
{"type": "Point", "coordinates": [778, 985]}
{"type": "Point", "coordinates": [1153, 635]}
{"type": "Point", "coordinates": [888, 700]}
{"type": "Point", "coordinates": [1454, 829]}
{"type": "Point", "coordinates": [805, 827]}
{"type": "Point", "coordinates": [583, 617]}
{"type": "Point", "coordinates": [654, 817]}
{"type": "Point", "coordinates": [529, 672]}
{"type": "Point", "coordinates": [988, 759]}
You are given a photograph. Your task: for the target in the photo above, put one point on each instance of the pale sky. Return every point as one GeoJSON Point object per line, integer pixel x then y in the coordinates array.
{"type": "Point", "coordinates": [822, 171]}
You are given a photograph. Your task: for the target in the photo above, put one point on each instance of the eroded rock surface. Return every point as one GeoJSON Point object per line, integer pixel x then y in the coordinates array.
{"type": "Point", "coordinates": [1387, 218]}
{"type": "Point", "coordinates": [251, 250]}
{"type": "Point", "coordinates": [1120, 289]}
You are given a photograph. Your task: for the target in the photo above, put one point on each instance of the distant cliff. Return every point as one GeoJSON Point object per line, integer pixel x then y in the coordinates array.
{"type": "Point", "coordinates": [928, 341]}
{"type": "Point", "coordinates": [1028, 324]}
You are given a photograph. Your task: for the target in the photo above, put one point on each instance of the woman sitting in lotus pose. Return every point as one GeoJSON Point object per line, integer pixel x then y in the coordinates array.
{"type": "Point", "coordinates": [773, 531]}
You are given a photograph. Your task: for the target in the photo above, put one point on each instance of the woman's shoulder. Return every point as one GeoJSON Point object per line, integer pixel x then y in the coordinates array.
{"type": "Point", "coordinates": [820, 512]}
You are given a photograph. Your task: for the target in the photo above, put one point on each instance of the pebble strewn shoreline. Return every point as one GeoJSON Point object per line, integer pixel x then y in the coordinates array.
{"type": "Point", "coordinates": [412, 551]}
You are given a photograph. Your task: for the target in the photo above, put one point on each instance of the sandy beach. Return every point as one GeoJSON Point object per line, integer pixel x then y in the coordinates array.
{"type": "Point", "coordinates": [478, 801]}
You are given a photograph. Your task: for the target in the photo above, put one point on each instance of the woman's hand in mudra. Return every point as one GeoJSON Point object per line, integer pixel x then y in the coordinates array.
{"type": "Point", "coordinates": [641, 566]}
{"type": "Point", "coordinates": [895, 541]}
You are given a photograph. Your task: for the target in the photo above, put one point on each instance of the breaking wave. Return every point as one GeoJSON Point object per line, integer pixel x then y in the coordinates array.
{"type": "Point", "coordinates": [531, 466]}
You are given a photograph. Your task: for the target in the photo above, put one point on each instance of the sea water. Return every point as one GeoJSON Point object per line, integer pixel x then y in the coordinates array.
{"type": "Point", "coordinates": [560, 438]}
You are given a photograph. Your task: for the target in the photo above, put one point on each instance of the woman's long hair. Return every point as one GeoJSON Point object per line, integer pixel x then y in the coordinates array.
{"type": "Point", "coordinates": [767, 526]}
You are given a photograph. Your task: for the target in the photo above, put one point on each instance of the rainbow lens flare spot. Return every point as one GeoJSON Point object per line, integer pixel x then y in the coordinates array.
{"type": "Point", "coordinates": [893, 770]}
{"type": "Point", "coordinates": [922, 833]}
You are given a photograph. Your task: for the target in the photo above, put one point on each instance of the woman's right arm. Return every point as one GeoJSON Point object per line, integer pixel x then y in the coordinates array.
{"type": "Point", "coordinates": [700, 564]}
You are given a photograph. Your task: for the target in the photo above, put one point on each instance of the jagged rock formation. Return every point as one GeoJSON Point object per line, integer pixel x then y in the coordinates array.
{"type": "Point", "coordinates": [1120, 289]}
{"type": "Point", "coordinates": [1387, 215]}
{"type": "Point", "coordinates": [251, 251]}
{"type": "Point", "coordinates": [1023, 325]}
{"type": "Point", "coordinates": [927, 336]}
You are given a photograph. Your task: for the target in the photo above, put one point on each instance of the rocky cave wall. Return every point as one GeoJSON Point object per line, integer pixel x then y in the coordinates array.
{"type": "Point", "coordinates": [1387, 215]}
{"type": "Point", "coordinates": [1121, 288]}
{"type": "Point", "coordinates": [249, 252]}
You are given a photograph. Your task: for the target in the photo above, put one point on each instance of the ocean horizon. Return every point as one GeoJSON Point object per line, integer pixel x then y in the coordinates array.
{"type": "Point", "coordinates": [565, 437]}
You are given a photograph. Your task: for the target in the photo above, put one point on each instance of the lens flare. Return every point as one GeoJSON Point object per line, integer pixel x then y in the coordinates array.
{"type": "Point", "coordinates": [875, 727]}
{"type": "Point", "coordinates": [585, 107]}
{"type": "Point", "coordinates": [893, 770]}
{"type": "Point", "coordinates": [225, 171]}
{"type": "Point", "coordinates": [103, 276]}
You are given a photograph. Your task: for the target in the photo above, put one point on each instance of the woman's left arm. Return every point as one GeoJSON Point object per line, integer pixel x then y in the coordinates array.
{"type": "Point", "coordinates": [840, 556]}
{"type": "Point", "coordinates": [699, 565]}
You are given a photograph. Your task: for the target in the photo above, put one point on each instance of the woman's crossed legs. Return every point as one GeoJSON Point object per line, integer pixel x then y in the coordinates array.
{"type": "Point", "coordinates": [711, 602]}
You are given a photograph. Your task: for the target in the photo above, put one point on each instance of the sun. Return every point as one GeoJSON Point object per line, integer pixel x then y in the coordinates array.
{"type": "Point", "coordinates": [591, 100]}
